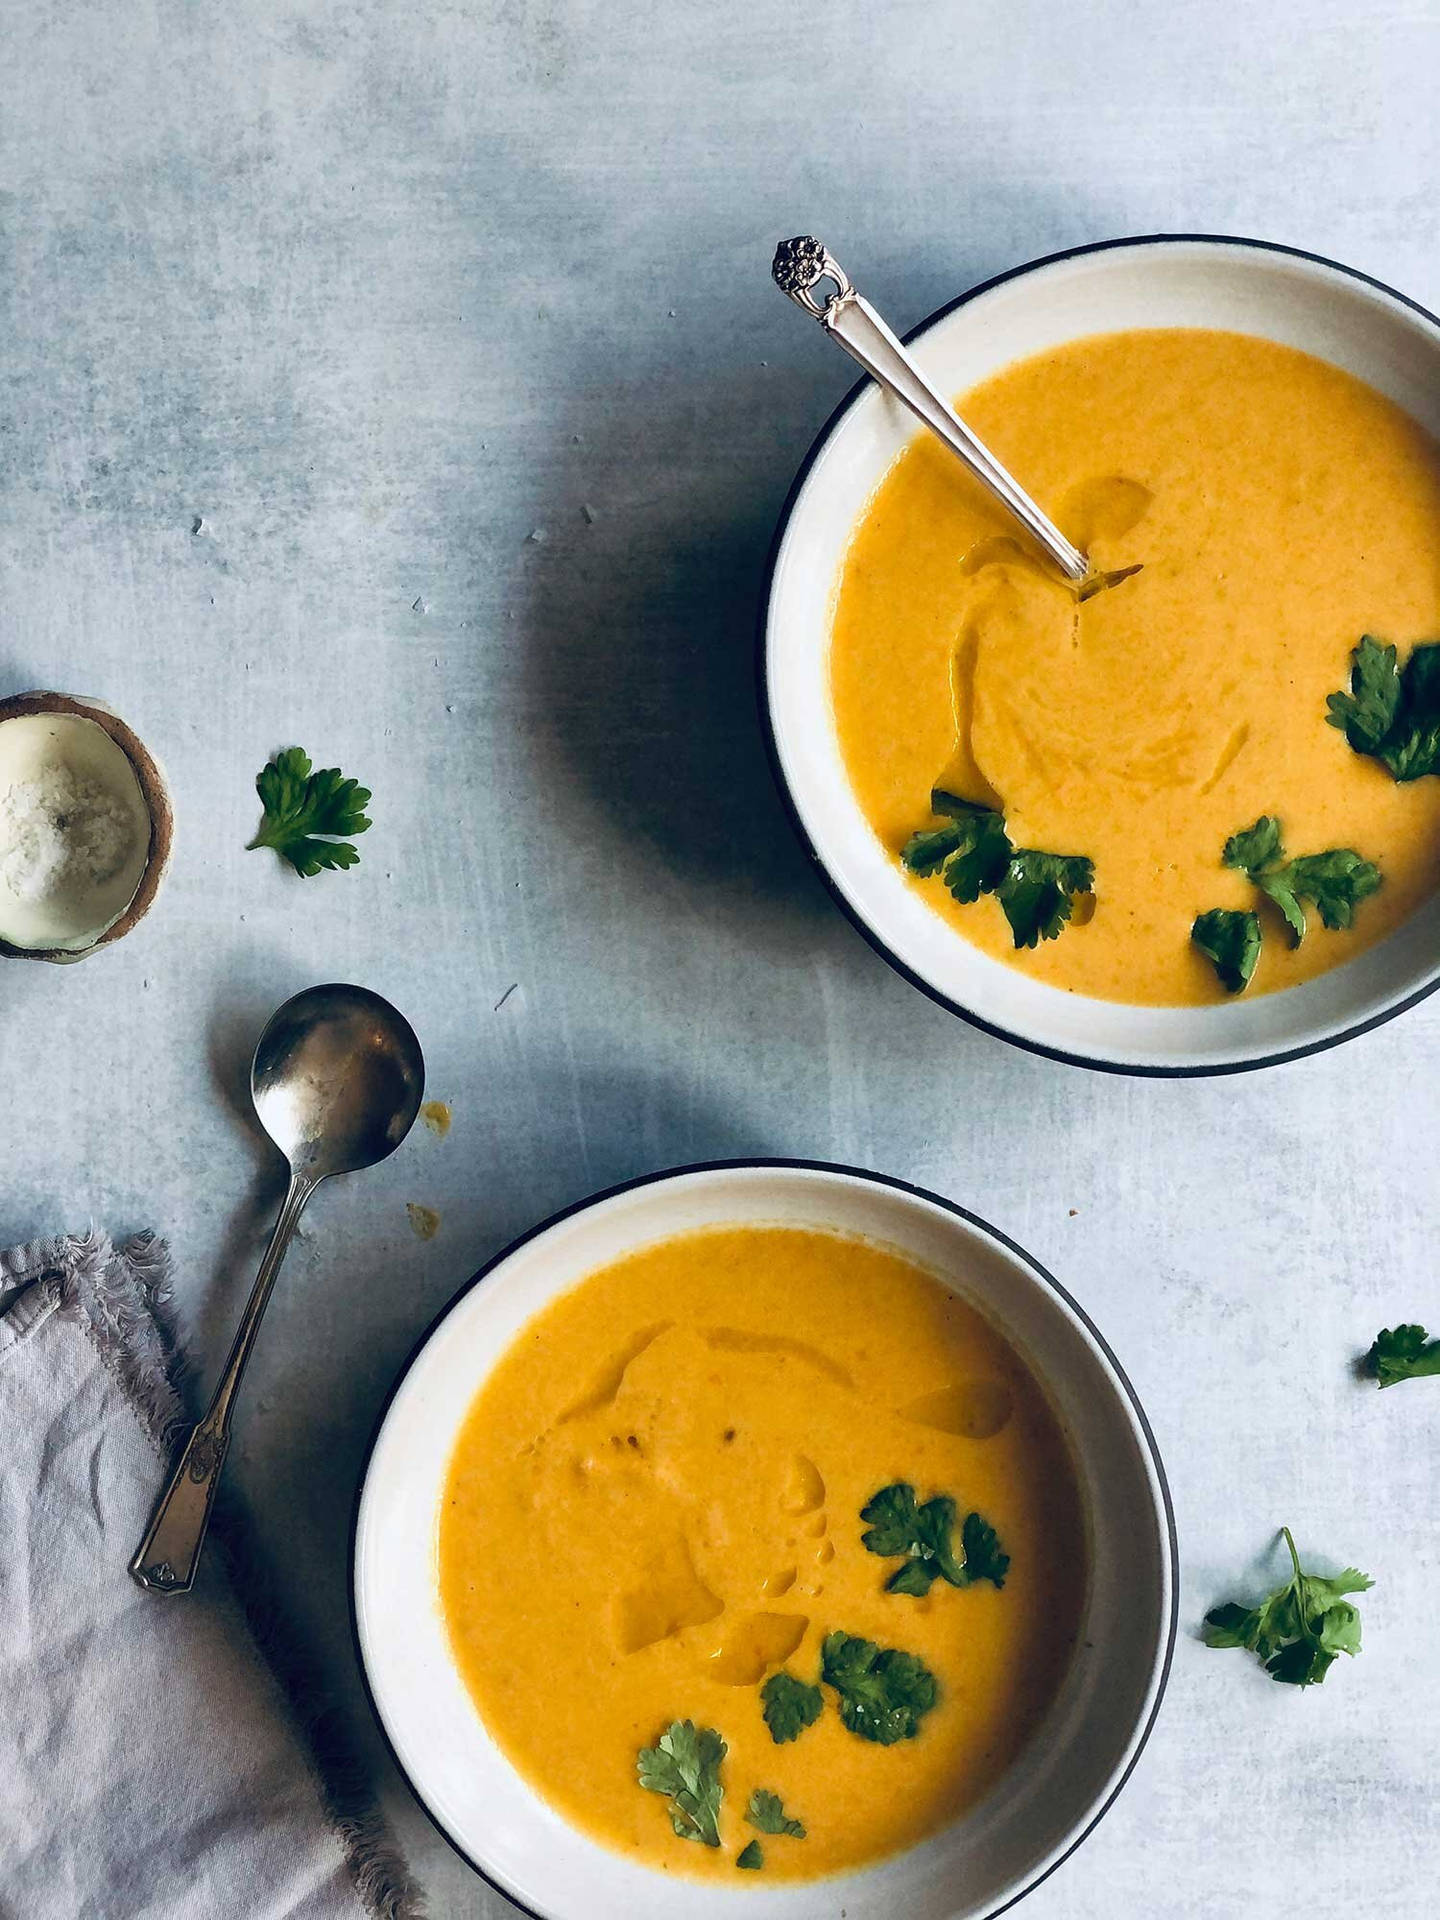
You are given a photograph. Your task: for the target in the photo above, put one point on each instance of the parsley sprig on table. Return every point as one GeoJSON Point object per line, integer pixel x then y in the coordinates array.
{"type": "Point", "coordinates": [1334, 883]}
{"type": "Point", "coordinates": [1392, 714]}
{"type": "Point", "coordinates": [1402, 1353]}
{"type": "Point", "coordinates": [684, 1764]}
{"type": "Point", "coordinates": [973, 854]}
{"type": "Point", "coordinates": [899, 1524]}
{"type": "Point", "coordinates": [1300, 1628]}
{"type": "Point", "coordinates": [308, 814]}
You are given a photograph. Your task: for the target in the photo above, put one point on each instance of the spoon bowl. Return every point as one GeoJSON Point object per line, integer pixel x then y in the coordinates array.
{"type": "Point", "coordinates": [337, 1080]}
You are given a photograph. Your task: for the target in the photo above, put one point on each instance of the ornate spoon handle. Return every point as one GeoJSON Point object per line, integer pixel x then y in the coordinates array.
{"type": "Point", "coordinates": [166, 1559]}
{"type": "Point", "coordinates": [800, 266]}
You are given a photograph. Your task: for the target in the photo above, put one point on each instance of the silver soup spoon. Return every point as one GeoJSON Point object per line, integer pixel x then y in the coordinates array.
{"type": "Point", "coordinates": [337, 1081]}
{"type": "Point", "coordinates": [803, 264]}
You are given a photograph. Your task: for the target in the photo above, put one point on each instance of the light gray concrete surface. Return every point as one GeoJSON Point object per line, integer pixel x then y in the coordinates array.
{"type": "Point", "coordinates": [406, 382]}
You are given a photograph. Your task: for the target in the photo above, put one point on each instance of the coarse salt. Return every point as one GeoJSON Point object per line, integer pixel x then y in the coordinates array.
{"type": "Point", "coordinates": [62, 835]}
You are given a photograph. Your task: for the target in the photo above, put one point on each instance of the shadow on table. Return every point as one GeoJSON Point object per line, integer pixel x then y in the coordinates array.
{"type": "Point", "coordinates": [640, 613]}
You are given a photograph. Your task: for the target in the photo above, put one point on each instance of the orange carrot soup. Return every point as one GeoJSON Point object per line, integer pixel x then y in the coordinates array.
{"type": "Point", "coordinates": [1278, 510]}
{"type": "Point", "coordinates": [761, 1549]}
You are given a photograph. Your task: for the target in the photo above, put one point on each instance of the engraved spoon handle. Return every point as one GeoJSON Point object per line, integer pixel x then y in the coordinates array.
{"type": "Point", "coordinates": [166, 1559]}
{"type": "Point", "coordinates": [802, 264]}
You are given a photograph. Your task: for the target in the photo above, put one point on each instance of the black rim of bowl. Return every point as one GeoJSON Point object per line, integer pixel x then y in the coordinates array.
{"type": "Point", "coordinates": [867, 1175]}
{"type": "Point", "coordinates": [1138, 1068]}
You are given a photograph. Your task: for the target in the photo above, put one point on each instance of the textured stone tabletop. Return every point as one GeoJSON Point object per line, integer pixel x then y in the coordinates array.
{"type": "Point", "coordinates": [406, 382]}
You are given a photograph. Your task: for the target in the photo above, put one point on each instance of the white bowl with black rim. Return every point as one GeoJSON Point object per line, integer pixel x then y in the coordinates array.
{"type": "Point", "coordinates": [1063, 1780]}
{"type": "Point", "coordinates": [1245, 286]}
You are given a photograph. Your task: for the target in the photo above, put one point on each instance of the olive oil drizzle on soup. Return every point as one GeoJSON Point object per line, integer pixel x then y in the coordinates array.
{"type": "Point", "coordinates": [654, 1506]}
{"type": "Point", "coordinates": [1280, 509]}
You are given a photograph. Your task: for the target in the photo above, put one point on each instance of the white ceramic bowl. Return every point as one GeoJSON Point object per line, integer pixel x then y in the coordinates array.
{"type": "Point", "coordinates": [1065, 1778]}
{"type": "Point", "coordinates": [1163, 281]}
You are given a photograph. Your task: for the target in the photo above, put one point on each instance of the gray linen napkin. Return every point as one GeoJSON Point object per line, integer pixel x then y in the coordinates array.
{"type": "Point", "coordinates": [151, 1768]}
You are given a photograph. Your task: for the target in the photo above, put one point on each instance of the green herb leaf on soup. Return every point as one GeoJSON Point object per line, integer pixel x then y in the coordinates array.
{"type": "Point", "coordinates": [883, 1695]}
{"type": "Point", "coordinates": [983, 1558]}
{"type": "Point", "coordinates": [1392, 714]}
{"type": "Point", "coordinates": [899, 1524]}
{"type": "Point", "coordinates": [750, 1857]}
{"type": "Point", "coordinates": [1334, 883]}
{"type": "Point", "coordinates": [1403, 1353]}
{"type": "Point", "coordinates": [1039, 890]}
{"type": "Point", "coordinates": [684, 1764]}
{"type": "Point", "coordinates": [973, 855]}
{"type": "Point", "coordinates": [1231, 941]}
{"type": "Point", "coordinates": [767, 1812]}
{"type": "Point", "coordinates": [1299, 1629]}
{"type": "Point", "coordinates": [308, 815]}
{"type": "Point", "coordinates": [789, 1706]}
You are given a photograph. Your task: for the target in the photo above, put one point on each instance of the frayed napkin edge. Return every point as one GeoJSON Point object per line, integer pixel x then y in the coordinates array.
{"type": "Point", "coordinates": [123, 1298]}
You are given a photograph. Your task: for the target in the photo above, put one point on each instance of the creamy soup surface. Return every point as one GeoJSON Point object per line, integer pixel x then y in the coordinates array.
{"type": "Point", "coordinates": [654, 1505]}
{"type": "Point", "coordinates": [1280, 509]}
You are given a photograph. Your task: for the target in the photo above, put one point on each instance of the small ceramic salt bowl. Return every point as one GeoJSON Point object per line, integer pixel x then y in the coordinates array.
{"type": "Point", "coordinates": [85, 827]}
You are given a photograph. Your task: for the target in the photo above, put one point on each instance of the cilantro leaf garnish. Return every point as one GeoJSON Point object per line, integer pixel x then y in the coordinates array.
{"type": "Point", "coordinates": [308, 814]}
{"type": "Point", "coordinates": [1038, 893]}
{"type": "Point", "coordinates": [767, 1812]}
{"type": "Point", "coordinates": [1391, 713]}
{"type": "Point", "coordinates": [684, 1764]}
{"type": "Point", "coordinates": [1402, 1353]}
{"type": "Point", "coordinates": [1298, 1629]}
{"type": "Point", "coordinates": [883, 1695]}
{"type": "Point", "coordinates": [1231, 941]}
{"type": "Point", "coordinates": [789, 1706]}
{"type": "Point", "coordinates": [983, 1558]}
{"type": "Point", "coordinates": [973, 854]}
{"type": "Point", "coordinates": [751, 1857]}
{"type": "Point", "coordinates": [899, 1524]}
{"type": "Point", "coordinates": [1334, 883]}
{"type": "Point", "coordinates": [973, 850]}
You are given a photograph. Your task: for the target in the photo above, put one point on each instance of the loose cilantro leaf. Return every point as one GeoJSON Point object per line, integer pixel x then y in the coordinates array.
{"type": "Point", "coordinates": [973, 854]}
{"type": "Point", "coordinates": [767, 1812]}
{"type": "Point", "coordinates": [1232, 942]}
{"type": "Point", "coordinates": [685, 1765]}
{"type": "Point", "coordinates": [883, 1695]}
{"type": "Point", "coordinates": [1392, 713]}
{"type": "Point", "coordinates": [898, 1524]}
{"type": "Point", "coordinates": [307, 814]}
{"type": "Point", "coordinates": [1403, 1353]}
{"type": "Point", "coordinates": [751, 1857]}
{"type": "Point", "coordinates": [1038, 893]}
{"type": "Point", "coordinates": [789, 1706]}
{"type": "Point", "coordinates": [1300, 1628]}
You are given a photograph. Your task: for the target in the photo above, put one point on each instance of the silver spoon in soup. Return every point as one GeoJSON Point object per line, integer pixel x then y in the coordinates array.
{"type": "Point", "coordinates": [804, 264]}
